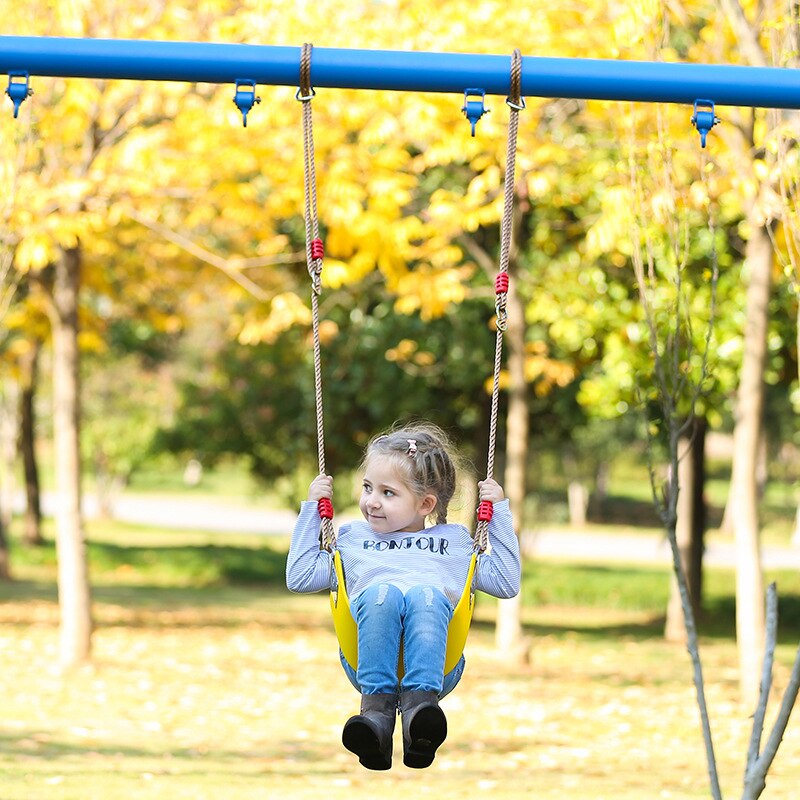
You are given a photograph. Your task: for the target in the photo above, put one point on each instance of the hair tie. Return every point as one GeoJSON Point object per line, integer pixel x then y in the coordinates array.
{"type": "Point", "coordinates": [412, 447]}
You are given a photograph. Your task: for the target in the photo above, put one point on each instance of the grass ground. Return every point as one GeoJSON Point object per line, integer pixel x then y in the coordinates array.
{"type": "Point", "coordinates": [209, 680]}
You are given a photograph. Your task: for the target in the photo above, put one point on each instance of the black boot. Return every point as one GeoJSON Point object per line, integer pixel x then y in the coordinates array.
{"type": "Point", "coordinates": [369, 734]}
{"type": "Point", "coordinates": [424, 727]}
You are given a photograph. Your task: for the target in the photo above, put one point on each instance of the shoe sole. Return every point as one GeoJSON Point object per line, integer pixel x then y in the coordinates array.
{"type": "Point", "coordinates": [428, 729]}
{"type": "Point", "coordinates": [359, 738]}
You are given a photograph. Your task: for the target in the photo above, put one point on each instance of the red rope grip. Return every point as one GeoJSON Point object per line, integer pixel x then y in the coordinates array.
{"type": "Point", "coordinates": [501, 283]}
{"type": "Point", "coordinates": [317, 249]}
{"type": "Point", "coordinates": [325, 507]}
{"type": "Point", "coordinates": [485, 511]}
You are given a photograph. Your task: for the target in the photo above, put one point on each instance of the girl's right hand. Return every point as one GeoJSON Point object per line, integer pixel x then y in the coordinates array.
{"type": "Point", "coordinates": [321, 486]}
{"type": "Point", "coordinates": [490, 490]}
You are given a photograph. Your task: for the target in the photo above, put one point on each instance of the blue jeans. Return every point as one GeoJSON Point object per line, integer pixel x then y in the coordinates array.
{"type": "Point", "coordinates": [384, 615]}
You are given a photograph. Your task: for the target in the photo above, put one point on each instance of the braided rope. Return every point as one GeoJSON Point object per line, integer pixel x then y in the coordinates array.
{"type": "Point", "coordinates": [515, 104]}
{"type": "Point", "coordinates": [314, 254]}
{"type": "Point", "coordinates": [314, 257]}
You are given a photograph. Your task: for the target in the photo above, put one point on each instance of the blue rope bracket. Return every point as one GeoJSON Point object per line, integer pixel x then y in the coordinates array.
{"type": "Point", "coordinates": [245, 97]}
{"type": "Point", "coordinates": [704, 118]}
{"type": "Point", "coordinates": [18, 89]}
{"type": "Point", "coordinates": [474, 107]}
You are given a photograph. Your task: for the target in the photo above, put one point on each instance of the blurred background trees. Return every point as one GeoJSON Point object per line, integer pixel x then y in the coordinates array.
{"type": "Point", "coordinates": [154, 262]}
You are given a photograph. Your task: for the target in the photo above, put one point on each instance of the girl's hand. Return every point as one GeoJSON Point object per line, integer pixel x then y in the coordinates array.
{"type": "Point", "coordinates": [321, 486]}
{"type": "Point", "coordinates": [490, 490]}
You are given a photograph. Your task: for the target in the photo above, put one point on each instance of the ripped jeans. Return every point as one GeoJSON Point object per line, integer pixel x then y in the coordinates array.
{"type": "Point", "coordinates": [420, 617]}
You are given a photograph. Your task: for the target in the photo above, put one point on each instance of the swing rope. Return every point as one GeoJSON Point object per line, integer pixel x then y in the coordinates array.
{"type": "Point", "coordinates": [515, 104]}
{"type": "Point", "coordinates": [315, 252]}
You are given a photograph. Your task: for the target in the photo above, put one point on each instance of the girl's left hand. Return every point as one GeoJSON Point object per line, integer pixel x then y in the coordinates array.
{"type": "Point", "coordinates": [491, 490]}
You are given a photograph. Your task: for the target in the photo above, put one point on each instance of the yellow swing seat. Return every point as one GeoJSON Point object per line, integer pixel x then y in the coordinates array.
{"type": "Point", "coordinates": [347, 629]}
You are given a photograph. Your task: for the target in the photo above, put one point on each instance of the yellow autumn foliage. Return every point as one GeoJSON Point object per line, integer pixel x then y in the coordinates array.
{"type": "Point", "coordinates": [229, 194]}
{"type": "Point", "coordinates": [430, 291]}
{"type": "Point", "coordinates": [285, 311]}
{"type": "Point", "coordinates": [613, 224]}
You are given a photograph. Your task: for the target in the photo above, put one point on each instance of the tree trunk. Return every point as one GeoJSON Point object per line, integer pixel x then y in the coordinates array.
{"type": "Point", "coordinates": [106, 485]}
{"type": "Point", "coordinates": [726, 523]}
{"type": "Point", "coordinates": [32, 522]}
{"type": "Point", "coordinates": [5, 562]}
{"type": "Point", "coordinates": [577, 503]}
{"type": "Point", "coordinates": [796, 534]}
{"type": "Point", "coordinates": [699, 514]}
{"type": "Point", "coordinates": [73, 578]}
{"type": "Point", "coordinates": [689, 530]}
{"type": "Point", "coordinates": [761, 473]}
{"type": "Point", "coordinates": [600, 495]}
{"type": "Point", "coordinates": [577, 492]}
{"type": "Point", "coordinates": [508, 633]}
{"type": "Point", "coordinates": [8, 450]}
{"type": "Point", "coordinates": [750, 624]}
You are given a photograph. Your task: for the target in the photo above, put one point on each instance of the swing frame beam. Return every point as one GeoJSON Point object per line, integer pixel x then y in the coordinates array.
{"type": "Point", "coordinates": [578, 78]}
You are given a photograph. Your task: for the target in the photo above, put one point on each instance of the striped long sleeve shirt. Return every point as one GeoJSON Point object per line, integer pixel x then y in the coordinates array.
{"type": "Point", "coordinates": [437, 556]}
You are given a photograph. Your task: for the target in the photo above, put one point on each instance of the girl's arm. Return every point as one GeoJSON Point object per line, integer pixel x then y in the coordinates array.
{"type": "Point", "coordinates": [308, 569]}
{"type": "Point", "coordinates": [498, 571]}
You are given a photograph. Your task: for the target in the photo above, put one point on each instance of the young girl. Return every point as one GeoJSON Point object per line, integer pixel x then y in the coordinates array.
{"type": "Point", "coordinates": [404, 581]}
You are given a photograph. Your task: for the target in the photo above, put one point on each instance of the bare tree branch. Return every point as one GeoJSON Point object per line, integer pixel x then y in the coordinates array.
{"type": "Point", "coordinates": [758, 765]}
{"type": "Point", "coordinates": [782, 720]}
{"type": "Point", "coordinates": [668, 505]}
{"type": "Point", "coordinates": [669, 380]}
{"type": "Point", "coordinates": [746, 34]}
{"type": "Point", "coordinates": [483, 259]}
{"type": "Point", "coordinates": [216, 261]}
{"type": "Point", "coordinates": [267, 261]}
{"type": "Point", "coordinates": [766, 682]}
{"type": "Point", "coordinates": [9, 281]}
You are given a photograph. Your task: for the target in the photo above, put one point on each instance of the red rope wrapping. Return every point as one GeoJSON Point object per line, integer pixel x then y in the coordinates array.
{"type": "Point", "coordinates": [325, 507]}
{"type": "Point", "coordinates": [317, 249]}
{"type": "Point", "coordinates": [485, 511]}
{"type": "Point", "coordinates": [501, 283]}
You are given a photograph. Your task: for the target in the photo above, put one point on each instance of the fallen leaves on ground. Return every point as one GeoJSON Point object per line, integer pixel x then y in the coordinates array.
{"type": "Point", "coordinates": [248, 702]}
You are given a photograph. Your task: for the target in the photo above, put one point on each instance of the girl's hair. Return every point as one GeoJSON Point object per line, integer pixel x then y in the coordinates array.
{"type": "Point", "coordinates": [425, 459]}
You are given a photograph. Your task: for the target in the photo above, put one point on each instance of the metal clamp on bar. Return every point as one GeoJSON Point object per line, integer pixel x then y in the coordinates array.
{"type": "Point", "coordinates": [18, 89]}
{"type": "Point", "coordinates": [704, 118]}
{"type": "Point", "coordinates": [245, 97]}
{"type": "Point", "coordinates": [474, 107]}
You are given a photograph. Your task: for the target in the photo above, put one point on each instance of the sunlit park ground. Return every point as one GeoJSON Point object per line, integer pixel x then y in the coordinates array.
{"type": "Point", "coordinates": [210, 681]}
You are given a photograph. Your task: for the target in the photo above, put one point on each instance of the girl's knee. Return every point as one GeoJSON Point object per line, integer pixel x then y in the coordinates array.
{"type": "Point", "coordinates": [380, 594]}
{"type": "Point", "coordinates": [389, 594]}
{"type": "Point", "coordinates": [426, 597]}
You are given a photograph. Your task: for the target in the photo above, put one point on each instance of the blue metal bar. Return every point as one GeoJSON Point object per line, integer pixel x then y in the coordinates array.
{"type": "Point", "coordinates": [766, 87]}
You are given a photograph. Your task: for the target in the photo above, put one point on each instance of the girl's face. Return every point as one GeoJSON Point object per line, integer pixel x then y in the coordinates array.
{"type": "Point", "coordinates": [386, 502]}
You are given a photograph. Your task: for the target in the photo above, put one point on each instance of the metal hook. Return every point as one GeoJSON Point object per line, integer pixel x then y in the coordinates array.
{"type": "Point", "coordinates": [704, 118]}
{"type": "Point", "coordinates": [304, 98]}
{"type": "Point", "coordinates": [474, 107]}
{"type": "Point", "coordinates": [245, 97]}
{"type": "Point", "coordinates": [18, 90]}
